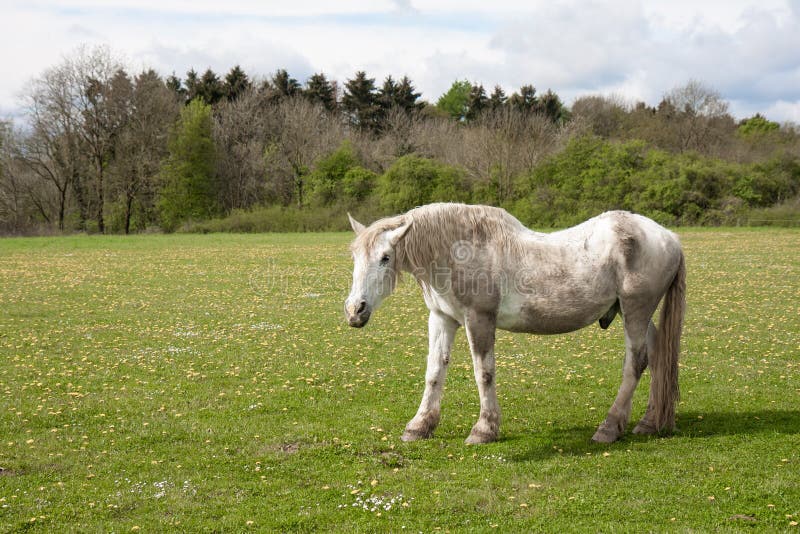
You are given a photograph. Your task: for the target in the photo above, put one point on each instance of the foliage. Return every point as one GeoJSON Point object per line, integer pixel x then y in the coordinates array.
{"type": "Point", "coordinates": [188, 188]}
{"type": "Point", "coordinates": [592, 175]}
{"type": "Point", "coordinates": [757, 124]}
{"type": "Point", "coordinates": [455, 102]}
{"type": "Point", "coordinates": [412, 181]}
{"type": "Point", "coordinates": [326, 181]}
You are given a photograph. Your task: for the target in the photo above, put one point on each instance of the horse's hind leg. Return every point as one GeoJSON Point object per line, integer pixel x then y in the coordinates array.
{"type": "Point", "coordinates": [441, 331]}
{"type": "Point", "coordinates": [639, 333]}
{"type": "Point", "coordinates": [480, 333]}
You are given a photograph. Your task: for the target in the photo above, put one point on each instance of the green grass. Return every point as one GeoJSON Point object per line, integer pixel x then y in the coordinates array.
{"type": "Point", "coordinates": [209, 383]}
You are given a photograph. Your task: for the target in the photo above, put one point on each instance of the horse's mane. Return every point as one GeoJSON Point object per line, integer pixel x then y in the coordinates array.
{"type": "Point", "coordinates": [437, 227]}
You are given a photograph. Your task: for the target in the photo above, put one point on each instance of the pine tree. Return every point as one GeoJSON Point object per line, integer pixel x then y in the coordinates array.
{"type": "Point", "coordinates": [284, 85]}
{"type": "Point", "coordinates": [236, 83]}
{"type": "Point", "coordinates": [498, 98]}
{"type": "Point", "coordinates": [210, 87]}
{"type": "Point", "coordinates": [406, 95]}
{"type": "Point", "coordinates": [321, 91]}
{"type": "Point", "coordinates": [525, 100]}
{"type": "Point", "coordinates": [192, 85]}
{"type": "Point", "coordinates": [387, 94]}
{"type": "Point", "coordinates": [360, 101]}
{"type": "Point", "coordinates": [174, 84]}
{"type": "Point", "coordinates": [550, 105]}
{"type": "Point", "coordinates": [477, 102]}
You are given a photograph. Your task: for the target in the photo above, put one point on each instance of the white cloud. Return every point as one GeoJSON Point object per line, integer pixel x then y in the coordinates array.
{"type": "Point", "coordinates": [787, 111]}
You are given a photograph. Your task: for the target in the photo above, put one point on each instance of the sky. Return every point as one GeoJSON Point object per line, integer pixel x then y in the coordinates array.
{"type": "Point", "coordinates": [747, 50]}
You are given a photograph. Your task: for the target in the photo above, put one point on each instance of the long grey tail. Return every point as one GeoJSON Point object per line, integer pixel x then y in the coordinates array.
{"type": "Point", "coordinates": [664, 363]}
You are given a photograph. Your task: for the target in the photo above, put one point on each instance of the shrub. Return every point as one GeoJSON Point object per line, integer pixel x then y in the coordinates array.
{"type": "Point", "coordinates": [413, 181]}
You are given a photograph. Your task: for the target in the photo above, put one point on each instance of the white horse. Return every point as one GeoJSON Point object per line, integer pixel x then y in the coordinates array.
{"type": "Point", "coordinates": [480, 268]}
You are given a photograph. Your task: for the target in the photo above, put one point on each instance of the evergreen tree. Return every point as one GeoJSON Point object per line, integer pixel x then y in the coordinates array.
{"type": "Point", "coordinates": [397, 95]}
{"type": "Point", "coordinates": [284, 85]}
{"type": "Point", "coordinates": [174, 84]}
{"type": "Point", "coordinates": [236, 83]}
{"type": "Point", "coordinates": [477, 102]}
{"type": "Point", "coordinates": [387, 94]}
{"type": "Point", "coordinates": [525, 100]}
{"type": "Point", "coordinates": [550, 105]}
{"type": "Point", "coordinates": [321, 91]}
{"type": "Point", "coordinates": [210, 88]}
{"type": "Point", "coordinates": [360, 101]}
{"type": "Point", "coordinates": [498, 98]}
{"type": "Point", "coordinates": [192, 85]}
{"type": "Point", "coordinates": [406, 95]}
{"type": "Point", "coordinates": [188, 189]}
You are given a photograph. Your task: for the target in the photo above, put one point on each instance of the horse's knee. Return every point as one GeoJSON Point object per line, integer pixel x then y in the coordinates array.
{"type": "Point", "coordinates": [487, 378]}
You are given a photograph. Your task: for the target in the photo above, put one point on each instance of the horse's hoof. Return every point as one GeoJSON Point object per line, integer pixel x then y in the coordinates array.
{"type": "Point", "coordinates": [414, 435]}
{"type": "Point", "coordinates": [605, 435]}
{"type": "Point", "coordinates": [477, 438]}
{"type": "Point", "coordinates": [645, 427]}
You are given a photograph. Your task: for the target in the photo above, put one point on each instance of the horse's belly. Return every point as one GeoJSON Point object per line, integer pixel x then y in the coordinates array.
{"type": "Point", "coordinates": [550, 316]}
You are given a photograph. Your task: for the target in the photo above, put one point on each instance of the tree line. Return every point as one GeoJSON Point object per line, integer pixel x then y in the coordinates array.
{"type": "Point", "coordinates": [101, 150]}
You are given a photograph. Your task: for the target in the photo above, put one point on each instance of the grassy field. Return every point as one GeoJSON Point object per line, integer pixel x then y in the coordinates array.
{"type": "Point", "coordinates": [209, 383]}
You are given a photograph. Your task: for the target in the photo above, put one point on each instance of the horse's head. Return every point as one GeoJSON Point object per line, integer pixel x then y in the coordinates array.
{"type": "Point", "coordinates": [374, 269]}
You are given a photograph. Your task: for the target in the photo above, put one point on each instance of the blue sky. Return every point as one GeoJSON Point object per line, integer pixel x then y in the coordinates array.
{"type": "Point", "coordinates": [747, 50]}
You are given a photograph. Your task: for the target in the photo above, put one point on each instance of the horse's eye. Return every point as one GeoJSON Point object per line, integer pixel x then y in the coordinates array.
{"type": "Point", "coordinates": [385, 259]}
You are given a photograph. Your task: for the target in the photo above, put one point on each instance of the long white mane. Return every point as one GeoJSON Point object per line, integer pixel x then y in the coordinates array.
{"type": "Point", "coordinates": [436, 227]}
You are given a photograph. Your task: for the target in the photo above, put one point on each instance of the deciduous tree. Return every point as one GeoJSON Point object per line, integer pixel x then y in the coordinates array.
{"type": "Point", "coordinates": [188, 188]}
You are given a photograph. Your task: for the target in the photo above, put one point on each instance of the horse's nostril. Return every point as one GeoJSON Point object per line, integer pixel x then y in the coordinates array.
{"type": "Point", "coordinates": [361, 307]}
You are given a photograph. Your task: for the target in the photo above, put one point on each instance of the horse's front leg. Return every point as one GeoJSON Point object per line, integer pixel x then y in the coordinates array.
{"type": "Point", "coordinates": [480, 329]}
{"type": "Point", "coordinates": [441, 331]}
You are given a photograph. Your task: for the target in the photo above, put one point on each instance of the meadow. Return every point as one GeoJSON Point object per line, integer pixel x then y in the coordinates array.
{"type": "Point", "coordinates": [209, 383]}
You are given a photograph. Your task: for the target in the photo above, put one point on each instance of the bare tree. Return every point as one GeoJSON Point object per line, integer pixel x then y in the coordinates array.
{"type": "Point", "coordinates": [307, 132]}
{"type": "Point", "coordinates": [242, 130]}
{"type": "Point", "coordinates": [13, 189]}
{"type": "Point", "coordinates": [695, 117]}
{"type": "Point", "coordinates": [76, 110]}
{"type": "Point", "coordinates": [505, 143]}
{"type": "Point", "coordinates": [51, 151]}
{"type": "Point", "coordinates": [397, 138]}
{"type": "Point", "coordinates": [104, 93]}
{"type": "Point", "coordinates": [141, 145]}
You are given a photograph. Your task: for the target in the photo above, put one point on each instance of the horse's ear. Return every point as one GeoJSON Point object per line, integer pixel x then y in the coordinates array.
{"type": "Point", "coordinates": [396, 234]}
{"type": "Point", "coordinates": [357, 226]}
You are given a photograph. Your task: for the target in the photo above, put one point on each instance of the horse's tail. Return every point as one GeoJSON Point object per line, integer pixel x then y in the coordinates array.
{"type": "Point", "coordinates": [664, 363]}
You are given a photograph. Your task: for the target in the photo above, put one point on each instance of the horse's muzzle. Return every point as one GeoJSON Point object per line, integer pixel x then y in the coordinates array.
{"type": "Point", "coordinates": [358, 321]}
{"type": "Point", "coordinates": [357, 313]}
